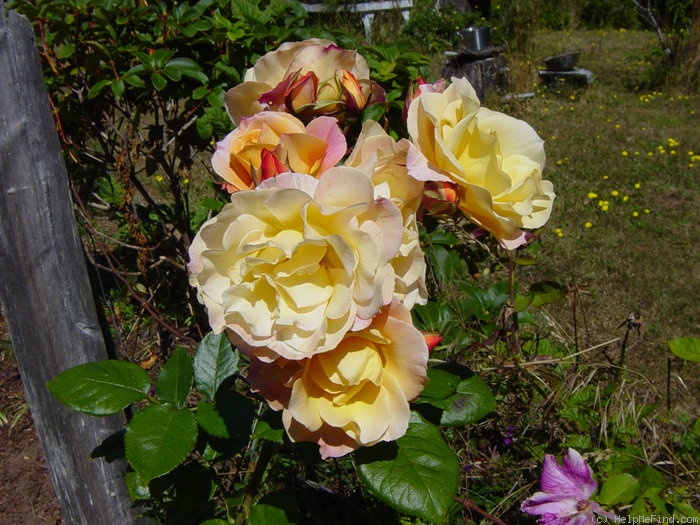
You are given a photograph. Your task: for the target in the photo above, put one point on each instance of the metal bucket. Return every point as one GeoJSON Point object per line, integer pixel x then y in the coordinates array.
{"type": "Point", "coordinates": [475, 38]}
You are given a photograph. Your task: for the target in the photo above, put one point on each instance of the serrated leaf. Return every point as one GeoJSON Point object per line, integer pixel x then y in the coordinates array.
{"type": "Point", "coordinates": [175, 379]}
{"type": "Point", "coordinates": [269, 427]}
{"type": "Point", "coordinates": [473, 401]}
{"type": "Point", "coordinates": [687, 348]}
{"type": "Point", "coordinates": [461, 394]}
{"type": "Point", "coordinates": [619, 490]}
{"type": "Point", "coordinates": [275, 508]}
{"type": "Point", "coordinates": [158, 439]}
{"type": "Point", "coordinates": [229, 416]}
{"type": "Point", "coordinates": [418, 474]}
{"type": "Point", "coordinates": [214, 361]}
{"type": "Point", "coordinates": [137, 486]}
{"type": "Point", "coordinates": [441, 384]}
{"type": "Point", "coordinates": [101, 388]}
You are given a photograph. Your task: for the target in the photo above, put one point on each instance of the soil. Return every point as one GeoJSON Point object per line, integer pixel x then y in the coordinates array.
{"type": "Point", "coordinates": [26, 492]}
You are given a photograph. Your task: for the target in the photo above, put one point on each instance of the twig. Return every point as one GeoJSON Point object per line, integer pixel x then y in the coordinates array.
{"type": "Point", "coordinates": [470, 505]}
{"type": "Point", "coordinates": [551, 361]}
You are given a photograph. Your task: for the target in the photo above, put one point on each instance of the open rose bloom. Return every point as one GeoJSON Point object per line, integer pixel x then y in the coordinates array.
{"type": "Point", "coordinates": [493, 161]}
{"type": "Point", "coordinates": [314, 265]}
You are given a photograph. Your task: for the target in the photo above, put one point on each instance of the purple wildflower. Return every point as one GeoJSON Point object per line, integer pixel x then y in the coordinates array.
{"type": "Point", "coordinates": [566, 492]}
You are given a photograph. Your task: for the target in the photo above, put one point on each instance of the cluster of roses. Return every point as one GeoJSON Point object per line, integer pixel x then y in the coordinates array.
{"type": "Point", "coordinates": [313, 267]}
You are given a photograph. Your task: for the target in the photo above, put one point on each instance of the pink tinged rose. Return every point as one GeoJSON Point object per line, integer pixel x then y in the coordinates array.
{"type": "Point", "coordinates": [566, 492]}
{"type": "Point", "coordinates": [270, 143]}
{"type": "Point", "coordinates": [354, 395]}
{"type": "Point", "coordinates": [494, 160]}
{"type": "Point", "coordinates": [289, 268]}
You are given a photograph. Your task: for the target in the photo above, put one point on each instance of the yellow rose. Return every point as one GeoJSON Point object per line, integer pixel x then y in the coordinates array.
{"type": "Point", "coordinates": [494, 160]}
{"type": "Point", "coordinates": [271, 143]}
{"type": "Point", "coordinates": [384, 159]}
{"type": "Point", "coordinates": [355, 395]}
{"type": "Point", "coordinates": [307, 79]}
{"type": "Point", "coordinates": [290, 267]}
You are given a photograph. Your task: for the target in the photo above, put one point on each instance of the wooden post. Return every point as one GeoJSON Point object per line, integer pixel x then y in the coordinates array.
{"type": "Point", "coordinates": [44, 286]}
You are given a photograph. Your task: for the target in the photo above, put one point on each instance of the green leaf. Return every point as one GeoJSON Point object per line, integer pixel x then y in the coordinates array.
{"type": "Point", "coordinates": [546, 292]}
{"type": "Point", "coordinates": [175, 378]}
{"type": "Point", "coordinates": [269, 427]}
{"type": "Point", "coordinates": [65, 51]}
{"type": "Point", "coordinates": [101, 388]}
{"type": "Point", "coordinates": [473, 401]}
{"type": "Point", "coordinates": [649, 503]}
{"type": "Point", "coordinates": [137, 486]}
{"type": "Point", "coordinates": [159, 82]}
{"type": "Point", "coordinates": [205, 129]}
{"type": "Point", "coordinates": [200, 92]}
{"type": "Point", "coordinates": [188, 68]}
{"type": "Point", "coordinates": [231, 415]}
{"type": "Point", "coordinates": [212, 204]}
{"type": "Point", "coordinates": [134, 80]}
{"type": "Point", "coordinates": [214, 362]}
{"type": "Point", "coordinates": [172, 73]}
{"type": "Point", "coordinates": [158, 439]}
{"type": "Point", "coordinates": [97, 88]}
{"type": "Point", "coordinates": [441, 384]}
{"type": "Point", "coordinates": [619, 490]}
{"type": "Point", "coordinates": [417, 475]}
{"type": "Point", "coordinates": [461, 394]}
{"type": "Point", "coordinates": [275, 508]}
{"type": "Point", "coordinates": [215, 522]}
{"type": "Point", "coordinates": [118, 88]}
{"type": "Point", "coordinates": [687, 348]}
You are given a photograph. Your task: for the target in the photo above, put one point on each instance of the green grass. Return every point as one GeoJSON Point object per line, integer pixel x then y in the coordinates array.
{"type": "Point", "coordinates": [636, 148]}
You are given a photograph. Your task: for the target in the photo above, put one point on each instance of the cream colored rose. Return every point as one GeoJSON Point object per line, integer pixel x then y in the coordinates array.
{"type": "Point", "coordinates": [354, 395]}
{"type": "Point", "coordinates": [270, 143]}
{"type": "Point", "coordinates": [290, 267]}
{"type": "Point", "coordinates": [307, 79]}
{"type": "Point", "coordinates": [494, 160]}
{"type": "Point", "coordinates": [379, 155]}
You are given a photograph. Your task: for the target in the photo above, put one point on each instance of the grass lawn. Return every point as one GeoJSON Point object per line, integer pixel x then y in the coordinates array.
{"type": "Point", "coordinates": [625, 162]}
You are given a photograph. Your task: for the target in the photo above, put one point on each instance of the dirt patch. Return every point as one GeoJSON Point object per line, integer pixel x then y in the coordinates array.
{"type": "Point", "coordinates": [26, 492]}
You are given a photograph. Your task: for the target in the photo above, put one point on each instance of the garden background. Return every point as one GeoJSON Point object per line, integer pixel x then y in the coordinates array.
{"type": "Point", "coordinates": [136, 88]}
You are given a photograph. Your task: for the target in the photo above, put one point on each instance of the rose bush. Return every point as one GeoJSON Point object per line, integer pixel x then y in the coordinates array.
{"type": "Point", "coordinates": [290, 267]}
{"type": "Point", "coordinates": [358, 394]}
{"type": "Point", "coordinates": [307, 79]}
{"type": "Point", "coordinates": [493, 160]}
{"type": "Point", "coordinates": [270, 143]}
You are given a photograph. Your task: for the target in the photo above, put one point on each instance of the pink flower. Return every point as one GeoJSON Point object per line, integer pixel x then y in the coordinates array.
{"type": "Point", "coordinates": [566, 493]}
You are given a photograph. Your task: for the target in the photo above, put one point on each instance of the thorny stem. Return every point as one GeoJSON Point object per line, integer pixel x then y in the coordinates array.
{"type": "Point", "coordinates": [470, 505]}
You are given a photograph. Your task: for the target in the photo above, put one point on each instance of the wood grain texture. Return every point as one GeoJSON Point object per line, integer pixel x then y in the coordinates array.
{"type": "Point", "coordinates": [44, 286]}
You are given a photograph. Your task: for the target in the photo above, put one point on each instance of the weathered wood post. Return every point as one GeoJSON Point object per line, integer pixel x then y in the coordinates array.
{"type": "Point", "coordinates": [44, 286]}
